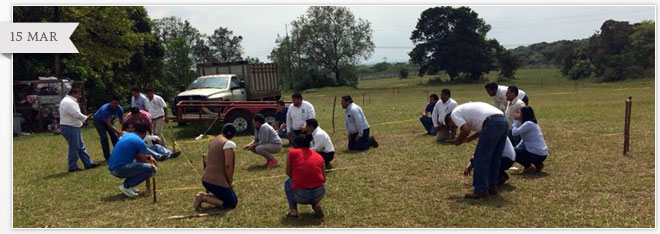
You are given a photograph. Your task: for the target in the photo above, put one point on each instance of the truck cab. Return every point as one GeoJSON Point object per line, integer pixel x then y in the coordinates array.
{"type": "Point", "coordinates": [220, 87]}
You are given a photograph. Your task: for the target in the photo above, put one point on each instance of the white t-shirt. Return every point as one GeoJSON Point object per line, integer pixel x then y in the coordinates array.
{"type": "Point", "coordinates": [500, 96]}
{"type": "Point", "coordinates": [229, 145]}
{"type": "Point", "coordinates": [441, 110]}
{"type": "Point", "coordinates": [473, 114]}
{"type": "Point", "coordinates": [508, 151]}
{"type": "Point", "coordinates": [321, 141]}
{"type": "Point", "coordinates": [155, 106]}
{"type": "Point", "coordinates": [296, 116]}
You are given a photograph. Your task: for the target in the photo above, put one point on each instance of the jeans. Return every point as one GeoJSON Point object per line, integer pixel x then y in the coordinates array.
{"type": "Point", "coordinates": [427, 122]}
{"type": "Point", "coordinates": [102, 128]}
{"type": "Point", "coordinates": [282, 133]}
{"type": "Point", "coordinates": [134, 172]}
{"type": "Point", "coordinates": [505, 165]}
{"type": "Point", "coordinates": [77, 148]}
{"type": "Point", "coordinates": [327, 157]}
{"type": "Point", "coordinates": [526, 158]}
{"type": "Point", "coordinates": [362, 144]}
{"type": "Point", "coordinates": [310, 196]}
{"type": "Point", "coordinates": [159, 152]}
{"type": "Point", "coordinates": [488, 154]}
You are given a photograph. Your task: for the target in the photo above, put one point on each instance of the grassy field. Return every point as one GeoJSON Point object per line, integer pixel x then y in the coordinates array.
{"type": "Point", "coordinates": [409, 181]}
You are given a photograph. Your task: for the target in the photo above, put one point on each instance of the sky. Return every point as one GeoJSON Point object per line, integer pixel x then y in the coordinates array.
{"type": "Point", "coordinates": [512, 26]}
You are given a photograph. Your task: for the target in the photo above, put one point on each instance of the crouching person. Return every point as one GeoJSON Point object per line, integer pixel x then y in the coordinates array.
{"type": "Point", "coordinates": [218, 176]}
{"type": "Point", "coordinates": [158, 151]}
{"type": "Point", "coordinates": [129, 160]}
{"type": "Point", "coordinates": [306, 182]}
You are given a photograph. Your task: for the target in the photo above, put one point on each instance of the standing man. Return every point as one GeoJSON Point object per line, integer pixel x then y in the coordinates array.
{"type": "Point", "coordinates": [321, 142]}
{"type": "Point", "coordinates": [299, 111]}
{"type": "Point", "coordinates": [356, 126]}
{"type": "Point", "coordinates": [130, 160]}
{"type": "Point", "coordinates": [155, 106]}
{"type": "Point", "coordinates": [103, 121]}
{"type": "Point", "coordinates": [427, 121]}
{"type": "Point", "coordinates": [498, 94]}
{"type": "Point", "coordinates": [71, 119]}
{"type": "Point", "coordinates": [266, 141]}
{"type": "Point", "coordinates": [513, 106]}
{"type": "Point", "coordinates": [138, 99]}
{"type": "Point", "coordinates": [490, 126]}
{"type": "Point", "coordinates": [440, 111]}
{"type": "Point", "coordinates": [280, 119]}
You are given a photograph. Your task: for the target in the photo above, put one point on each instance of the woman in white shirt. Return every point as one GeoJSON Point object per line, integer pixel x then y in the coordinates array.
{"type": "Point", "coordinates": [532, 149]}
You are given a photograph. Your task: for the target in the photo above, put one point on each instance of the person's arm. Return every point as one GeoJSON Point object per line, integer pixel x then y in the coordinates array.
{"type": "Point", "coordinates": [289, 121]}
{"type": "Point", "coordinates": [471, 138]}
{"type": "Point", "coordinates": [324, 173]}
{"type": "Point", "coordinates": [289, 171]}
{"type": "Point", "coordinates": [120, 116]}
{"type": "Point", "coordinates": [434, 116]}
{"type": "Point", "coordinates": [229, 165]}
{"type": "Point", "coordinates": [465, 131]}
{"type": "Point", "coordinates": [520, 129]}
{"type": "Point", "coordinates": [111, 126]}
{"type": "Point", "coordinates": [316, 143]}
{"type": "Point", "coordinates": [145, 158]}
{"type": "Point", "coordinates": [311, 113]}
{"type": "Point", "coordinates": [248, 146]}
{"type": "Point", "coordinates": [361, 125]}
{"type": "Point", "coordinates": [277, 125]}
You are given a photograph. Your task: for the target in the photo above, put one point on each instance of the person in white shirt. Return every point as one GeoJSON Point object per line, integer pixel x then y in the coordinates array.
{"type": "Point", "coordinates": [490, 126]}
{"type": "Point", "coordinates": [532, 149]}
{"type": "Point", "coordinates": [508, 157]}
{"type": "Point", "coordinates": [513, 106]}
{"type": "Point", "coordinates": [138, 99]}
{"type": "Point", "coordinates": [299, 112]}
{"type": "Point", "coordinates": [155, 106]}
{"type": "Point", "coordinates": [440, 112]}
{"type": "Point", "coordinates": [71, 119]}
{"type": "Point", "coordinates": [157, 150]}
{"type": "Point", "coordinates": [321, 142]}
{"type": "Point", "coordinates": [498, 94]}
{"type": "Point", "coordinates": [357, 126]}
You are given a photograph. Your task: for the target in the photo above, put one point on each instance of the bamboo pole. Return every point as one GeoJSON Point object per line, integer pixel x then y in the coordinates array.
{"type": "Point", "coordinates": [334, 105]}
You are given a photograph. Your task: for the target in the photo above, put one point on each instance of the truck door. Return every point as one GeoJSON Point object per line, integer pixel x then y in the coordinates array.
{"type": "Point", "coordinates": [237, 92]}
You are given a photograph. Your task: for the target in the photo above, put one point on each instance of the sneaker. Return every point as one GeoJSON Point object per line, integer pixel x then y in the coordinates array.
{"type": "Point", "coordinates": [176, 154]}
{"type": "Point", "coordinates": [93, 165]}
{"type": "Point", "coordinates": [126, 191]}
{"type": "Point", "coordinates": [477, 195]}
{"type": "Point", "coordinates": [328, 166]}
{"type": "Point", "coordinates": [318, 212]}
{"type": "Point", "coordinates": [136, 191]}
{"type": "Point", "coordinates": [374, 143]}
{"type": "Point", "coordinates": [272, 163]}
{"type": "Point", "coordinates": [528, 170]}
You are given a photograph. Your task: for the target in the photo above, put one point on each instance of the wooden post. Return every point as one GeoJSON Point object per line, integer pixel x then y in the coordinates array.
{"type": "Point", "coordinates": [153, 183]}
{"type": "Point", "coordinates": [626, 127]}
{"type": "Point", "coordinates": [363, 103]}
{"type": "Point", "coordinates": [204, 166]}
{"type": "Point", "coordinates": [334, 105]}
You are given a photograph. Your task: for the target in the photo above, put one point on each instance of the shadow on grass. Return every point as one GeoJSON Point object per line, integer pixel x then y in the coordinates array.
{"type": "Point", "coordinates": [533, 175]}
{"type": "Point", "coordinates": [257, 168]}
{"type": "Point", "coordinates": [121, 197]}
{"type": "Point", "coordinates": [58, 175]}
{"type": "Point", "coordinates": [347, 151]}
{"type": "Point", "coordinates": [506, 188]}
{"type": "Point", "coordinates": [306, 219]}
{"type": "Point", "coordinates": [493, 201]}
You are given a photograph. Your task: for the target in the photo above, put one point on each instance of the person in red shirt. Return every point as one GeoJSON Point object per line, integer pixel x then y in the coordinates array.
{"type": "Point", "coordinates": [306, 182]}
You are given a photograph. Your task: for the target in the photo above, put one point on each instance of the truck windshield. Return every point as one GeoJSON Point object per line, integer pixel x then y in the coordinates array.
{"type": "Point", "coordinates": [214, 82]}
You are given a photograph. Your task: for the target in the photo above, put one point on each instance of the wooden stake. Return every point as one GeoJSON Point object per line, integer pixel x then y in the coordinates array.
{"type": "Point", "coordinates": [334, 105]}
{"type": "Point", "coordinates": [626, 127]}
{"type": "Point", "coordinates": [153, 183]}
{"type": "Point", "coordinates": [204, 166]}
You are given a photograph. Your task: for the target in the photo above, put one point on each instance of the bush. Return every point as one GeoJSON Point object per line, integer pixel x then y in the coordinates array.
{"type": "Point", "coordinates": [403, 73]}
{"type": "Point", "coordinates": [581, 69]}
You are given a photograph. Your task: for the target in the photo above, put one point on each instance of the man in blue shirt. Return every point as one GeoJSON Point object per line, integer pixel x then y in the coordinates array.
{"type": "Point", "coordinates": [426, 120]}
{"type": "Point", "coordinates": [103, 121]}
{"type": "Point", "coordinates": [129, 160]}
{"type": "Point", "coordinates": [280, 119]}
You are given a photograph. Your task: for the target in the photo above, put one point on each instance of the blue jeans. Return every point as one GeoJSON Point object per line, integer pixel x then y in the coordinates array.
{"type": "Point", "coordinates": [488, 154]}
{"type": "Point", "coordinates": [302, 196]}
{"type": "Point", "coordinates": [134, 172]}
{"type": "Point", "coordinates": [362, 144]}
{"type": "Point", "coordinates": [282, 133]}
{"type": "Point", "coordinates": [102, 128]}
{"type": "Point", "coordinates": [427, 122]}
{"type": "Point", "coordinates": [77, 148]}
{"type": "Point", "coordinates": [159, 152]}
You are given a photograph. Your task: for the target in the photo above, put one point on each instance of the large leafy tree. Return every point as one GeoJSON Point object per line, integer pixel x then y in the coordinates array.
{"type": "Point", "coordinates": [224, 46]}
{"type": "Point", "coordinates": [178, 65]}
{"type": "Point", "coordinates": [452, 40]}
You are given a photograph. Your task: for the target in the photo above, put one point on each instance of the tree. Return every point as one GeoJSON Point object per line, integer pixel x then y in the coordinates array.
{"type": "Point", "coordinates": [325, 40]}
{"type": "Point", "coordinates": [508, 64]}
{"type": "Point", "coordinates": [170, 28]}
{"type": "Point", "coordinates": [452, 40]}
{"type": "Point", "coordinates": [224, 47]}
{"type": "Point", "coordinates": [178, 66]}
{"type": "Point", "coordinates": [642, 42]}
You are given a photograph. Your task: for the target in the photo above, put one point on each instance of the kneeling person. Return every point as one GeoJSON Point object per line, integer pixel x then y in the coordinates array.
{"type": "Point", "coordinates": [218, 176]}
{"type": "Point", "coordinates": [129, 160]}
{"type": "Point", "coordinates": [321, 142]}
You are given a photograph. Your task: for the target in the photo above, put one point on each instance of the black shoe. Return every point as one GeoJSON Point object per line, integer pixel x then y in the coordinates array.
{"type": "Point", "coordinates": [175, 154]}
{"type": "Point", "coordinates": [492, 191]}
{"type": "Point", "coordinates": [539, 167]}
{"type": "Point", "coordinates": [93, 165]}
{"type": "Point", "coordinates": [74, 170]}
{"type": "Point", "coordinates": [374, 143]}
{"type": "Point", "coordinates": [477, 195]}
{"type": "Point", "coordinates": [318, 212]}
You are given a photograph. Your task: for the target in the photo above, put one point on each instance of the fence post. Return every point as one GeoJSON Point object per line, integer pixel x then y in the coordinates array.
{"type": "Point", "coordinates": [153, 183]}
{"type": "Point", "coordinates": [626, 127]}
{"type": "Point", "coordinates": [334, 105]}
{"type": "Point", "coordinates": [363, 103]}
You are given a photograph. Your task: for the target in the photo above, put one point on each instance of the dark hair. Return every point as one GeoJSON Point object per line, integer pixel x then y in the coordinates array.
{"type": "Point", "coordinates": [302, 140]}
{"type": "Point", "coordinates": [114, 98]}
{"type": "Point", "coordinates": [149, 90]}
{"type": "Point", "coordinates": [141, 128]}
{"type": "Point", "coordinates": [135, 110]}
{"type": "Point", "coordinates": [296, 95]}
{"type": "Point", "coordinates": [74, 91]}
{"type": "Point", "coordinates": [280, 102]}
{"type": "Point", "coordinates": [527, 114]}
{"type": "Point", "coordinates": [259, 118]}
{"type": "Point", "coordinates": [312, 122]}
{"type": "Point", "coordinates": [446, 91]}
{"type": "Point", "coordinates": [491, 86]}
{"type": "Point", "coordinates": [228, 130]}
{"type": "Point", "coordinates": [126, 125]}
{"type": "Point", "coordinates": [135, 89]}
{"type": "Point", "coordinates": [513, 89]}
{"type": "Point", "coordinates": [447, 118]}
{"type": "Point", "coordinates": [347, 98]}
{"type": "Point", "coordinates": [434, 96]}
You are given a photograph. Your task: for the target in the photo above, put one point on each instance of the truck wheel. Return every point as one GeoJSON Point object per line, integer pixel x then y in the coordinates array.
{"type": "Point", "coordinates": [241, 121]}
{"type": "Point", "coordinates": [269, 115]}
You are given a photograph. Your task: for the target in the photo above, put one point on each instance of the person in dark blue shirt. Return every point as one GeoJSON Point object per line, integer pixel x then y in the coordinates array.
{"type": "Point", "coordinates": [426, 119]}
{"type": "Point", "coordinates": [103, 121]}
{"type": "Point", "coordinates": [129, 160]}
{"type": "Point", "coordinates": [280, 119]}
